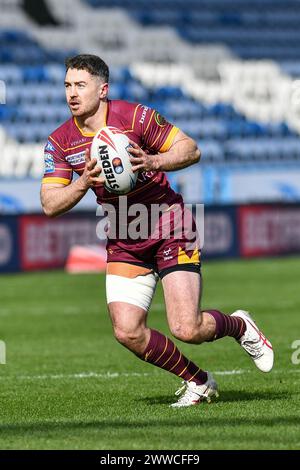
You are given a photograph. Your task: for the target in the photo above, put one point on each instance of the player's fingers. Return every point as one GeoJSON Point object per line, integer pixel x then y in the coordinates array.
{"type": "Point", "coordinates": [134, 151]}
{"type": "Point", "coordinates": [137, 168]}
{"type": "Point", "coordinates": [137, 152]}
{"type": "Point", "coordinates": [87, 155]}
{"type": "Point", "coordinates": [98, 181]}
{"type": "Point", "coordinates": [136, 160]}
{"type": "Point", "coordinates": [133, 144]}
{"type": "Point", "coordinates": [95, 171]}
{"type": "Point", "coordinates": [91, 164]}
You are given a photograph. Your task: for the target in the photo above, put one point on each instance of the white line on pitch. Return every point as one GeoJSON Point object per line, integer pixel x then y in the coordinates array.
{"type": "Point", "coordinates": [81, 375]}
{"type": "Point", "coordinates": [114, 375]}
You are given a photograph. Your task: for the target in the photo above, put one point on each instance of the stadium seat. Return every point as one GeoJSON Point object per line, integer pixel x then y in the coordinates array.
{"type": "Point", "coordinates": [187, 62]}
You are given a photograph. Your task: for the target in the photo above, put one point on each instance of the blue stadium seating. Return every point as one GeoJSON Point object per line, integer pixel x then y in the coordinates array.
{"type": "Point", "coordinates": [36, 98]}
{"type": "Point", "coordinates": [251, 29]}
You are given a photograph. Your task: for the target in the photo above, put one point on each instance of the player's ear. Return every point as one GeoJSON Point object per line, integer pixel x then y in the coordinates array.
{"type": "Point", "coordinates": [103, 90]}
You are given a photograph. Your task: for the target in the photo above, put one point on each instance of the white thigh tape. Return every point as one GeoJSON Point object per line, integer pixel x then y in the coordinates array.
{"type": "Point", "coordinates": [137, 291]}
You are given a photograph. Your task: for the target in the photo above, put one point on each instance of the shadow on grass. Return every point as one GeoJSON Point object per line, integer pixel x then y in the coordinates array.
{"type": "Point", "coordinates": [228, 396]}
{"type": "Point", "coordinates": [135, 425]}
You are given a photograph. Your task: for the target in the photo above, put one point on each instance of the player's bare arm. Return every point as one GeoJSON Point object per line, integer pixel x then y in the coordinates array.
{"type": "Point", "coordinates": [57, 199]}
{"type": "Point", "coordinates": [182, 153]}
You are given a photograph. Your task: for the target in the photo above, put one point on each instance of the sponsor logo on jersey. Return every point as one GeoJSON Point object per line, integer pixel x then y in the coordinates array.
{"type": "Point", "coordinates": [76, 158]}
{"type": "Point", "coordinates": [78, 142]}
{"type": "Point", "coordinates": [50, 147]}
{"type": "Point", "coordinates": [143, 116]}
{"type": "Point", "coordinates": [49, 163]}
{"type": "Point", "coordinates": [160, 120]}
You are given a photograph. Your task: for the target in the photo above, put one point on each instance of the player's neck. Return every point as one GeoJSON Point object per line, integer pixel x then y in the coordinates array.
{"type": "Point", "coordinates": [91, 124]}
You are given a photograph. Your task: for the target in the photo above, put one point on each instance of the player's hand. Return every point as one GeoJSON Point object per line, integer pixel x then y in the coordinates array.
{"type": "Point", "coordinates": [91, 174]}
{"type": "Point", "coordinates": [141, 161]}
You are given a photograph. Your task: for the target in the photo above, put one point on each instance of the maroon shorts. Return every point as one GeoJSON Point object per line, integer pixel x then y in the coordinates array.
{"type": "Point", "coordinates": [172, 245]}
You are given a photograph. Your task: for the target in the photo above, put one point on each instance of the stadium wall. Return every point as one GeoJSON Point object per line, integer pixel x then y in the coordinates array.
{"type": "Point", "coordinates": [228, 184]}
{"type": "Point", "coordinates": [34, 242]}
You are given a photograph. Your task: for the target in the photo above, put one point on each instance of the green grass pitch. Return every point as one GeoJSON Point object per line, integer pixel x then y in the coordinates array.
{"type": "Point", "coordinates": [68, 384]}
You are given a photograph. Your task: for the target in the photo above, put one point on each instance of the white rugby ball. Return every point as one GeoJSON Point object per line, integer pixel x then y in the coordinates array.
{"type": "Point", "coordinates": [110, 147]}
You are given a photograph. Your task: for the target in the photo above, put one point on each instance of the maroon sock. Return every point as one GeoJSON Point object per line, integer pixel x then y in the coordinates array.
{"type": "Point", "coordinates": [226, 325]}
{"type": "Point", "coordinates": [163, 353]}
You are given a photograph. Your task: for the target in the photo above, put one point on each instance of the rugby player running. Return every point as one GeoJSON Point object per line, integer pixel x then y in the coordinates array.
{"type": "Point", "coordinates": [134, 266]}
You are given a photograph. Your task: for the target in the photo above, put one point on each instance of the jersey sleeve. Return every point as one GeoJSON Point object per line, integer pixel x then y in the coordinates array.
{"type": "Point", "coordinates": [157, 133]}
{"type": "Point", "coordinates": [57, 169]}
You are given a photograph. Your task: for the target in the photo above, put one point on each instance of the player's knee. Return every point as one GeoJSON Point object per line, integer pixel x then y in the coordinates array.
{"type": "Point", "coordinates": [127, 338]}
{"type": "Point", "coordinates": [185, 333]}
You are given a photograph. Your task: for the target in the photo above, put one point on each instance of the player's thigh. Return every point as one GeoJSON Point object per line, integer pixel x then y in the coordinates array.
{"type": "Point", "coordinates": [129, 292]}
{"type": "Point", "coordinates": [182, 293]}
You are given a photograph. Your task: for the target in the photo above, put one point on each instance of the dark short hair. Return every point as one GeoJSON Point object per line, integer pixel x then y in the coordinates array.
{"type": "Point", "coordinates": [89, 62]}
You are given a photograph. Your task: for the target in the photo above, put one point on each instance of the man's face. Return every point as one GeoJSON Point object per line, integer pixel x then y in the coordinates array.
{"type": "Point", "coordinates": [84, 92]}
